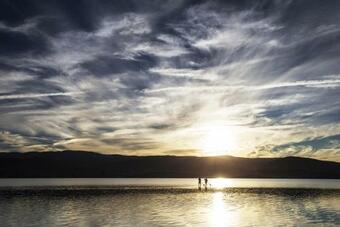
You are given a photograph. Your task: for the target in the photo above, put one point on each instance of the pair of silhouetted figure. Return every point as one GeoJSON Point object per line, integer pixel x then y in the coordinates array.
{"type": "Point", "coordinates": [205, 184]}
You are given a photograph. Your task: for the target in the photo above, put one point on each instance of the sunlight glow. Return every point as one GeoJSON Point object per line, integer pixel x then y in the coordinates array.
{"type": "Point", "coordinates": [218, 212]}
{"type": "Point", "coordinates": [221, 214]}
{"type": "Point", "coordinates": [219, 141]}
{"type": "Point", "coordinates": [220, 183]}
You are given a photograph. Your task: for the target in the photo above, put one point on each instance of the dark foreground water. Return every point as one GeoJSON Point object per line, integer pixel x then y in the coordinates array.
{"type": "Point", "coordinates": [169, 202]}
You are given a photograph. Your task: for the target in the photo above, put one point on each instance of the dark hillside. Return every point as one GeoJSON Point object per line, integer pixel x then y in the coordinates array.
{"type": "Point", "coordinates": [89, 164]}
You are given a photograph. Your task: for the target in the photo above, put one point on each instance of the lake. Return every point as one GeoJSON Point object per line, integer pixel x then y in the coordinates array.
{"type": "Point", "coordinates": [169, 202]}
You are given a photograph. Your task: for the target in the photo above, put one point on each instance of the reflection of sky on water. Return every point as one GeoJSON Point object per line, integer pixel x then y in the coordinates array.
{"type": "Point", "coordinates": [214, 183]}
{"type": "Point", "coordinates": [133, 208]}
{"type": "Point", "coordinates": [221, 212]}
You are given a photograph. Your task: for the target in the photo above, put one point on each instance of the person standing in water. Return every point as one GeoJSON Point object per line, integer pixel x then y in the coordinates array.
{"type": "Point", "coordinates": [206, 184]}
{"type": "Point", "coordinates": [199, 183]}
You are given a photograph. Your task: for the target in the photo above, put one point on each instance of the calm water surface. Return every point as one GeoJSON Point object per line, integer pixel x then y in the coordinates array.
{"type": "Point", "coordinates": [169, 202]}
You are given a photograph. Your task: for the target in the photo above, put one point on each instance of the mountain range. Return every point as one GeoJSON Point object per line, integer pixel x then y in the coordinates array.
{"type": "Point", "coordinates": [83, 164]}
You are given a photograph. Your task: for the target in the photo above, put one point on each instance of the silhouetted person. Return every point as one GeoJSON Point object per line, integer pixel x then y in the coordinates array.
{"type": "Point", "coordinates": [206, 184]}
{"type": "Point", "coordinates": [199, 183]}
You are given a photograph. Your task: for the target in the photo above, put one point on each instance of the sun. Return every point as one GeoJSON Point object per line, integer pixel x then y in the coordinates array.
{"type": "Point", "coordinates": [219, 141]}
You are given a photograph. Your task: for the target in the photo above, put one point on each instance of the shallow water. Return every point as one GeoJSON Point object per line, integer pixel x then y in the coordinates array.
{"type": "Point", "coordinates": [155, 202]}
{"type": "Point", "coordinates": [172, 182]}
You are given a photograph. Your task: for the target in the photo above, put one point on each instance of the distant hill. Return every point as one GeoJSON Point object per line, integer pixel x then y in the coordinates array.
{"type": "Point", "coordinates": [88, 164]}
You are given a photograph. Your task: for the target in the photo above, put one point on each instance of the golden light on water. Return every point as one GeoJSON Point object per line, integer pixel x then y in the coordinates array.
{"type": "Point", "coordinates": [218, 211]}
{"type": "Point", "coordinates": [221, 214]}
{"type": "Point", "coordinates": [220, 183]}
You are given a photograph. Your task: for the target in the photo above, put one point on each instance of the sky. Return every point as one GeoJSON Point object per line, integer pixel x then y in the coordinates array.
{"type": "Point", "coordinates": [241, 78]}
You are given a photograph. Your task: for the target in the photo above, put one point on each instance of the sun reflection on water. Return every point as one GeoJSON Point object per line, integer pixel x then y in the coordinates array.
{"type": "Point", "coordinates": [220, 214]}
{"type": "Point", "coordinates": [220, 183]}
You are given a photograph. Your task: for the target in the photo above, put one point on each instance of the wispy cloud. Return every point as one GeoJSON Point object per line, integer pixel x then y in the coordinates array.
{"type": "Point", "coordinates": [157, 78]}
{"type": "Point", "coordinates": [29, 96]}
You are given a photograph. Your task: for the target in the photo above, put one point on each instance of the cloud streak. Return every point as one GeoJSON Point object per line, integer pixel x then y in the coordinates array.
{"type": "Point", "coordinates": [30, 96]}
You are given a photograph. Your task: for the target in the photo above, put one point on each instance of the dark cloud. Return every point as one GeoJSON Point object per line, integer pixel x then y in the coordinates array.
{"type": "Point", "coordinates": [17, 43]}
{"type": "Point", "coordinates": [41, 71]}
{"type": "Point", "coordinates": [106, 65]}
{"type": "Point", "coordinates": [160, 126]}
{"type": "Point", "coordinates": [328, 142]}
{"type": "Point", "coordinates": [134, 144]}
{"type": "Point", "coordinates": [80, 14]}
